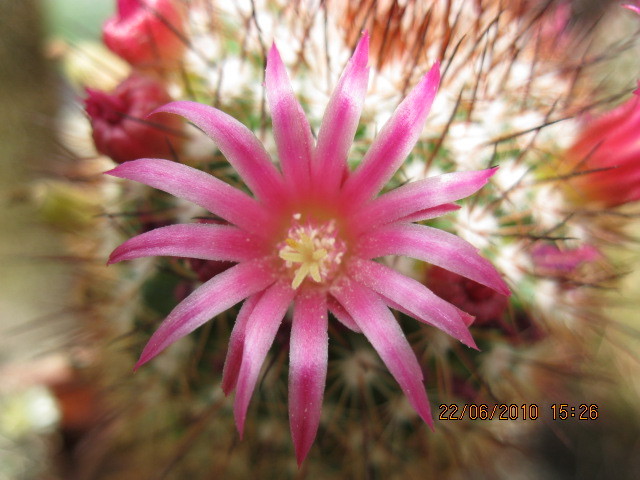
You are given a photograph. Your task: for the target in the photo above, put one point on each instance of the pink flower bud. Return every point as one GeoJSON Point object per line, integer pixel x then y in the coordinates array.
{"type": "Point", "coordinates": [549, 260]}
{"type": "Point", "coordinates": [120, 127]}
{"type": "Point", "coordinates": [146, 33]}
{"type": "Point", "coordinates": [608, 151]}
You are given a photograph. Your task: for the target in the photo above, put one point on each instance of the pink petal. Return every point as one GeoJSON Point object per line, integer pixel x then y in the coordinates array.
{"type": "Point", "coordinates": [341, 314]}
{"type": "Point", "coordinates": [633, 8]}
{"type": "Point", "coordinates": [434, 246]}
{"type": "Point", "coordinates": [384, 333]}
{"type": "Point", "coordinates": [262, 327]}
{"type": "Point", "coordinates": [429, 213]}
{"type": "Point", "coordinates": [200, 188]}
{"type": "Point", "coordinates": [213, 297]}
{"type": "Point", "coordinates": [415, 197]}
{"type": "Point", "coordinates": [238, 144]}
{"type": "Point", "coordinates": [394, 142]}
{"type": "Point", "coordinates": [233, 361]}
{"type": "Point", "coordinates": [307, 369]}
{"type": "Point", "coordinates": [208, 242]}
{"type": "Point", "coordinates": [341, 121]}
{"type": "Point", "coordinates": [291, 129]}
{"type": "Point", "coordinates": [415, 298]}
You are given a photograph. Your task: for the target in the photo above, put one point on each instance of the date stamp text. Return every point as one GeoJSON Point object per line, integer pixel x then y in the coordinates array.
{"type": "Point", "coordinates": [522, 411]}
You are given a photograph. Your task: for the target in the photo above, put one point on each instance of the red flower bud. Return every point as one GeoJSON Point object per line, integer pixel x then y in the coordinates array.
{"type": "Point", "coordinates": [482, 302]}
{"type": "Point", "coordinates": [120, 127]}
{"type": "Point", "coordinates": [146, 33]}
{"type": "Point", "coordinates": [608, 150]}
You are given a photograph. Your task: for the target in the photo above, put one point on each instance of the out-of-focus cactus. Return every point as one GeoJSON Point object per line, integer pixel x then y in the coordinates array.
{"type": "Point", "coordinates": [507, 99]}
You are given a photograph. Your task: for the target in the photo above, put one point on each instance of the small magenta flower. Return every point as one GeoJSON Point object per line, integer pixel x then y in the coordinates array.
{"type": "Point", "coordinates": [608, 151]}
{"type": "Point", "coordinates": [146, 33]}
{"type": "Point", "coordinates": [308, 237]}
{"type": "Point", "coordinates": [119, 121]}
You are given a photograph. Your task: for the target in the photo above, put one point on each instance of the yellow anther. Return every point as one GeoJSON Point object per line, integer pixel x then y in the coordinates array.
{"type": "Point", "coordinates": [319, 254]}
{"type": "Point", "coordinates": [305, 252]}
{"type": "Point", "coordinates": [311, 251]}
{"type": "Point", "coordinates": [300, 275]}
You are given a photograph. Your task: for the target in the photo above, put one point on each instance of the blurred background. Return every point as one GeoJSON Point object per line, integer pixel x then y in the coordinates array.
{"type": "Point", "coordinates": [46, 411]}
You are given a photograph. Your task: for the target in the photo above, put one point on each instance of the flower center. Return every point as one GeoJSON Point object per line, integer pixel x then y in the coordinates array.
{"type": "Point", "coordinates": [311, 250]}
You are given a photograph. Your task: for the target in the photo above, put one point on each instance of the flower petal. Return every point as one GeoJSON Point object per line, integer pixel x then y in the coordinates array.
{"type": "Point", "coordinates": [233, 361]}
{"type": "Point", "coordinates": [633, 8]}
{"type": "Point", "coordinates": [208, 242]}
{"type": "Point", "coordinates": [341, 121]}
{"type": "Point", "coordinates": [413, 297]}
{"type": "Point", "coordinates": [200, 188]}
{"type": "Point", "coordinates": [424, 194]}
{"type": "Point", "coordinates": [434, 246]}
{"type": "Point", "coordinates": [393, 143]}
{"type": "Point", "coordinates": [213, 297]}
{"type": "Point", "coordinates": [238, 144]}
{"type": "Point", "coordinates": [307, 369]}
{"type": "Point", "coordinates": [341, 314]}
{"type": "Point", "coordinates": [291, 128]}
{"type": "Point", "coordinates": [384, 333]}
{"type": "Point", "coordinates": [261, 329]}
{"type": "Point", "coordinates": [429, 213]}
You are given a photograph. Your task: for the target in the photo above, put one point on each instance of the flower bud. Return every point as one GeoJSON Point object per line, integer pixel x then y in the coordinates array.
{"type": "Point", "coordinates": [120, 127]}
{"type": "Point", "coordinates": [549, 260]}
{"type": "Point", "coordinates": [607, 150]}
{"type": "Point", "coordinates": [146, 33]}
{"type": "Point", "coordinates": [486, 305]}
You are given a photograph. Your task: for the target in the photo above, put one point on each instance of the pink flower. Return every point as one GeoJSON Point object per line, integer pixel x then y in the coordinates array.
{"type": "Point", "coordinates": [608, 150]}
{"type": "Point", "coordinates": [146, 33]}
{"type": "Point", "coordinates": [119, 121]}
{"type": "Point", "coordinates": [308, 237]}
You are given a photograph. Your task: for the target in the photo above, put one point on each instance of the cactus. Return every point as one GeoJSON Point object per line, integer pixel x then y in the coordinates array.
{"type": "Point", "coordinates": [519, 84]}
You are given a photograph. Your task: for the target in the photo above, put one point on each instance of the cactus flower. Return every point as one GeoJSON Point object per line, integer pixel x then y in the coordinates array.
{"type": "Point", "coordinates": [308, 237]}
{"type": "Point", "coordinates": [146, 33]}
{"type": "Point", "coordinates": [608, 151]}
{"type": "Point", "coordinates": [119, 121]}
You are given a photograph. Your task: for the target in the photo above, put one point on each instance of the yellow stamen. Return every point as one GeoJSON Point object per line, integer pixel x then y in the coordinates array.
{"type": "Point", "coordinates": [300, 275]}
{"type": "Point", "coordinates": [319, 254]}
{"type": "Point", "coordinates": [291, 256]}
{"type": "Point", "coordinates": [305, 252]}
{"type": "Point", "coordinates": [311, 250]}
